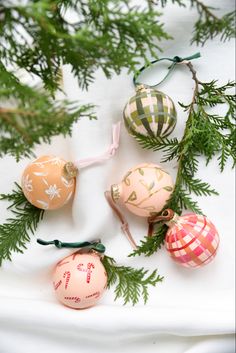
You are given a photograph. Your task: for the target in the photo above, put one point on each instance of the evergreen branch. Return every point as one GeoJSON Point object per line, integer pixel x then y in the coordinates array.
{"type": "Point", "coordinates": [150, 245]}
{"type": "Point", "coordinates": [197, 186]}
{"type": "Point", "coordinates": [205, 134]}
{"type": "Point", "coordinates": [33, 117]}
{"type": "Point", "coordinates": [131, 283]}
{"type": "Point", "coordinates": [38, 37]}
{"type": "Point", "coordinates": [15, 232]}
{"type": "Point", "coordinates": [108, 35]}
{"type": "Point", "coordinates": [208, 25]}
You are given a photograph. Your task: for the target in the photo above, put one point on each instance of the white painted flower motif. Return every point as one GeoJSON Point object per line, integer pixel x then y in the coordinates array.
{"type": "Point", "coordinates": [53, 191]}
{"type": "Point", "coordinates": [56, 161]}
{"type": "Point", "coordinates": [27, 183]}
{"type": "Point", "coordinates": [44, 205]}
{"type": "Point", "coordinates": [68, 198]}
{"type": "Point", "coordinates": [41, 173]}
{"type": "Point", "coordinates": [67, 183]}
{"type": "Point", "coordinates": [52, 160]}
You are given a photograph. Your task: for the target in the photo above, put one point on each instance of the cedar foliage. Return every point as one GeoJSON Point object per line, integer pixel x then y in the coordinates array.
{"type": "Point", "coordinates": [38, 37]}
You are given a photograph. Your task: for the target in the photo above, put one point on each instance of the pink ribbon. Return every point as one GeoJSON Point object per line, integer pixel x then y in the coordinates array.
{"type": "Point", "coordinates": [108, 154]}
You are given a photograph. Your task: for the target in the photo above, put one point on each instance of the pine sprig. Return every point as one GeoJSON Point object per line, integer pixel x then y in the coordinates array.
{"type": "Point", "coordinates": [206, 135]}
{"type": "Point", "coordinates": [16, 232]}
{"type": "Point", "coordinates": [39, 36]}
{"type": "Point", "coordinates": [131, 284]}
{"type": "Point", "coordinates": [33, 116]}
{"type": "Point", "coordinates": [208, 24]}
{"type": "Point", "coordinates": [150, 245]}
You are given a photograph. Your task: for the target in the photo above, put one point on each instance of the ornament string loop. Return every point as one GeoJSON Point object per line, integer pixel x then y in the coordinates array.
{"type": "Point", "coordinates": [94, 245]}
{"type": "Point", "coordinates": [175, 60]}
{"type": "Point", "coordinates": [108, 154]}
{"type": "Point", "coordinates": [124, 223]}
{"type": "Point", "coordinates": [165, 216]}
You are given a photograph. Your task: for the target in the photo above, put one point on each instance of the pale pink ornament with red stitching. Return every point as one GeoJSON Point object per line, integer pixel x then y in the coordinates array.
{"type": "Point", "coordinates": [79, 280]}
{"type": "Point", "coordinates": [144, 191]}
{"type": "Point", "coordinates": [191, 240]}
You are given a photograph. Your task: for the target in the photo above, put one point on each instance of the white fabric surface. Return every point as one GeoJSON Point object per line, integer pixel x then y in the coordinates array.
{"type": "Point", "coordinates": [191, 311]}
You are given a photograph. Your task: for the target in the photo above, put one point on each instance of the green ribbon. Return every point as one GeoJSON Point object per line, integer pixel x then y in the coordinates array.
{"type": "Point", "coordinates": [94, 245]}
{"type": "Point", "coordinates": [175, 60]}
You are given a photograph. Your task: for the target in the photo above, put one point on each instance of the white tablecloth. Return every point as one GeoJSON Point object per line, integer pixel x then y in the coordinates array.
{"type": "Point", "coordinates": [191, 311]}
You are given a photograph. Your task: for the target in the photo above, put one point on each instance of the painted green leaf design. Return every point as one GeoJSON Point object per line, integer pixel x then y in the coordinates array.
{"type": "Point", "coordinates": [126, 180]}
{"type": "Point", "coordinates": [132, 196]}
{"type": "Point", "coordinates": [148, 208]}
{"type": "Point", "coordinates": [141, 171]}
{"type": "Point", "coordinates": [159, 174]}
{"type": "Point", "coordinates": [151, 185]}
{"type": "Point", "coordinates": [168, 188]}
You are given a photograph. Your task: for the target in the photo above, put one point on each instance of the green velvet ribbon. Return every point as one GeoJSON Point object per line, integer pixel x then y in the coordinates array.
{"type": "Point", "coordinates": [175, 60]}
{"type": "Point", "coordinates": [94, 245]}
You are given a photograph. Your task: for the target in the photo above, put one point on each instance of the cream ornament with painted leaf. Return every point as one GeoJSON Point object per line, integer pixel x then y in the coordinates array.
{"type": "Point", "coordinates": [144, 190]}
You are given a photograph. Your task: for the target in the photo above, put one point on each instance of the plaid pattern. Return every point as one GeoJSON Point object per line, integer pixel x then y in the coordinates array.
{"type": "Point", "coordinates": [192, 241]}
{"type": "Point", "coordinates": [150, 113]}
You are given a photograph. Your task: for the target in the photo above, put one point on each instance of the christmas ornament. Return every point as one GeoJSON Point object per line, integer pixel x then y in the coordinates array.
{"type": "Point", "coordinates": [144, 191]}
{"type": "Point", "coordinates": [49, 182]}
{"type": "Point", "coordinates": [191, 240]}
{"type": "Point", "coordinates": [80, 279]}
{"type": "Point", "coordinates": [150, 113]}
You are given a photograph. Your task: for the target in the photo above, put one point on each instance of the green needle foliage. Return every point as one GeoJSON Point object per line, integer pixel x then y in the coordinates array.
{"type": "Point", "coordinates": [40, 36]}
{"type": "Point", "coordinates": [15, 233]}
{"type": "Point", "coordinates": [208, 24]}
{"type": "Point", "coordinates": [131, 283]}
{"type": "Point", "coordinates": [206, 134]}
{"type": "Point", "coordinates": [33, 117]}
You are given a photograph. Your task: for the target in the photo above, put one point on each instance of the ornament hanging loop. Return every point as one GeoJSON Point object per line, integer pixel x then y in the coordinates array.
{"type": "Point", "coordinates": [175, 60]}
{"type": "Point", "coordinates": [166, 216]}
{"type": "Point", "coordinates": [96, 245]}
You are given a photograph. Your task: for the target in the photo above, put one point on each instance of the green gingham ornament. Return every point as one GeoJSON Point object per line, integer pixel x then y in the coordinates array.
{"type": "Point", "coordinates": [151, 112]}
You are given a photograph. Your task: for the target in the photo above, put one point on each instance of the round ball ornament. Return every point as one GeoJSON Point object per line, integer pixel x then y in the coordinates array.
{"type": "Point", "coordinates": [191, 240]}
{"type": "Point", "coordinates": [144, 190]}
{"type": "Point", "coordinates": [79, 280]}
{"type": "Point", "coordinates": [150, 113]}
{"type": "Point", "coordinates": [49, 182]}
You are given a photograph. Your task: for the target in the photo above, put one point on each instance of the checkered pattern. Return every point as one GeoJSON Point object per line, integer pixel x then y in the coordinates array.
{"type": "Point", "coordinates": [192, 241]}
{"type": "Point", "coordinates": [150, 113]}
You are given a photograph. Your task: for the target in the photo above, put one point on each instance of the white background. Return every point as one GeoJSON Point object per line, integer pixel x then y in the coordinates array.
{"type": "Point", "coordinates": [191, 311]}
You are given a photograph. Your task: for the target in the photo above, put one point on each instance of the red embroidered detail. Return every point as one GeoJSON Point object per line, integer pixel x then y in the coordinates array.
{"type": "Point", "coordinates": [56, 285]}
{"type": "Point", "coordinates": [75, 299]}
{"type": "Point", "coordinates": [67, 277]}
{"type": "Point", "coordinates": [61, 263]}
{"type": "Point", "coordinates": [89, 268]}
{"type": "Point", "coordinates": [96, 295]}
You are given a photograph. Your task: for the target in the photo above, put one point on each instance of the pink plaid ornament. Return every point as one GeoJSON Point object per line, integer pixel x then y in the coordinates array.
{"type": "Point", "coordinates": [191, 240]}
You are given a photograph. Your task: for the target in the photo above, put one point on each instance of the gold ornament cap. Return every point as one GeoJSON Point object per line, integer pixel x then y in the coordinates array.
{"type": "Point", "coordinates": [70, 170]}
{"type": "Point", "coordinates": [116, 190]}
